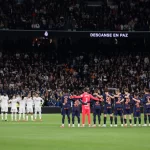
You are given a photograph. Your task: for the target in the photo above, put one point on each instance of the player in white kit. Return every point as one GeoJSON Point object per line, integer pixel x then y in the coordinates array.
{"type": "Point", "coordinates": [4, 106]}
{"type": "Point", "coordinates": [29, 102]}
{"type": "Point", "coordinates": [38, 102]}
{"type": "Point", "coordinates": [22, 105]}
{"type": "Point", "coordinates": [13, 102]}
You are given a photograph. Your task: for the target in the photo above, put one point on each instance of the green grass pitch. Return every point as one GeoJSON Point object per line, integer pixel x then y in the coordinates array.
{"type": "Point", "coordinates": [47, 135]}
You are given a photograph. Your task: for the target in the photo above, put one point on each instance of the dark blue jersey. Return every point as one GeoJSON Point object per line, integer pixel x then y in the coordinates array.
{"type": "Point", "coordinates": [96, 104]}
{"type": "Point", "coordinates": [127, 102]}
{"type": "Point", "coordinates": [107, 100]}
{"type": "Point", "coordinates": [146, 100]}
{"type": "Point", "coordinates": [117, 102]}
{"type": "Point", "coordinates": [66, 100]}
{"type": "Point", "coordinates": [76, 104]}
{"type": "Point", "coordinates": [136, 105]}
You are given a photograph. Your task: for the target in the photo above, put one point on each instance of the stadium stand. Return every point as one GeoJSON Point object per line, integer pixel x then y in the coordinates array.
{"type": "Point", "coordinates": [111, 15]}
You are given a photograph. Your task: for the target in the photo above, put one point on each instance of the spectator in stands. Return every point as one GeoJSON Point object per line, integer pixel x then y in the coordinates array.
{"type": "Point", "coordinates": [117, 15]}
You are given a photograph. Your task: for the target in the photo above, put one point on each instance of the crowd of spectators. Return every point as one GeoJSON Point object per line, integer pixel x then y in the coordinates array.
{"type": "Point", "coordinates": [118, 15]}
{"type": "Point", "coordinates": [21, 72]}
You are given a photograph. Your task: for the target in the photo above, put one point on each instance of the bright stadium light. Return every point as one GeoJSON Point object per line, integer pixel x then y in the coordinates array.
{"type": "Point", "coordinates": [46, 33]}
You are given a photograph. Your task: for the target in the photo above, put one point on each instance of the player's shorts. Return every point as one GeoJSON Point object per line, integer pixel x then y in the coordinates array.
{"type": "Point", "coordinates": [38, 109]}
{"type": "Point", "coordinates": [127, 112]}
{"type": "Point", "coordinates": [97, 112]}
{"type": "Point", "coordinates": [14, 110]}
{"type": "Point", "coordinates": [76, 113]}
{"type": "Point", "coordinates": [107, 111]}
{"type": "Point", "coordinates": [146, 110]}
{"type": "Point", "coordinates": [30, 110]}
{"type": "Point", "coordinates": [65, 112]}
{"type": "Point", "coordinates": [137, 114]}
{"type": "Point", "coordinates": [86, 111]}
{"type": "Point", "coordinates": [4, 108]}
{"type": "Point", "coordinates": [21, 110]}
{"type": "Point", "coordinates": [118, 111]}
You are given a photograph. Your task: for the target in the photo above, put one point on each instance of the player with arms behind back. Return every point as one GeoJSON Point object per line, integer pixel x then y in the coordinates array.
{"type": "Point", "coordinates": [146, 102]}
{"type": "Point", "coordinates": [38, 101]}
{"type": "Point", "coordinates": [4, 106]}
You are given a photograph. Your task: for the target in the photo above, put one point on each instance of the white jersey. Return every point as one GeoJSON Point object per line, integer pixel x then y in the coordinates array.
{"type": "Point", "coordinates": [22, 102]}
{"type": "Point", "coordinates": [4, 101]}
{"type": "Point", "coordinates": [38, 101]}
{"type": "Point", "coordinates": [29, 102]}
{"type": "Point", "coordinates": [14, 103]}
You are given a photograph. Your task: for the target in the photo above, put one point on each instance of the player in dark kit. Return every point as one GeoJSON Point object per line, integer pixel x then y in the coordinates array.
{"type": "Point", "coordinates": [107, 107]}
{"type": "Point", "coordinates": [136, 109]}
{"type": "Point", "coordinates": [118, 107]}
{"type": "Point", "coordinates": [76, 109]}
{"type": "Point", "coordinates": [146, 102]}
{"type": "Point", "coordinates": [66, 106]}
{"type": "Point", "coordinates": [127, 107]}
{"type": "Point", "coordinates": [97, 108]}
{"type": "Point", "coordinates": [76, 112]}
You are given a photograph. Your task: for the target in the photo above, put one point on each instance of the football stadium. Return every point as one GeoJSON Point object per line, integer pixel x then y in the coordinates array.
{"type": "Point", "coordinates": [74, 74]}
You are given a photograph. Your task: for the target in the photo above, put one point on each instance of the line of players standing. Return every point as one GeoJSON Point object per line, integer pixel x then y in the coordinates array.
{"type": "Point", "coordinates": [117, 104]}
{"type": "Point", "coordinates": [26, 105]}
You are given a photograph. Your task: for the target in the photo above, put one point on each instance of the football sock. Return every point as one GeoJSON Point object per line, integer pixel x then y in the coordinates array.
{"type": "Point", "coordinates": [121, 120]}
{"type": "Point", "coordinates": [145, 119]}
{"type": "Point", "coordinates": [111, 119]}
{"type": "Point", "coordinates": [72, 120]}
{"type": "Point", "coordinates": [105, 120]}
{"type": "Point", "coordinates": [63, 119]}
{"type": "Point", "coordinates": [125, 121]}
{"type": "Point", "coordinates": [40, 115]}
{"type": "Point", "coordinates": [139, 120]}
{"type": "Point", "coordinates": [135, 120]}
{"type": "Point", "coordinates": [149, 118]}
{"type": "Point", "coordinates": [94, 119]}
{"type": "Point", "coordinates": [99, 119]}
{"type": "Point", "coordinates": [115, 119]}
{"type": "Point", "coordinates": [78, 120]}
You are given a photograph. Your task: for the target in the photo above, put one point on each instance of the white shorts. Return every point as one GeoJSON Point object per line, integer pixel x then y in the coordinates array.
{"type": "Point", "coordinates": [30, 110]}
{"type": "Point", "coordinates": [37, 109]}
{"type": "Point", "coordinates": [21, 110]}
{"type": "Point", "coordinates": [14, 110]}
{"type": "Point", "coordinates": [4, 108]}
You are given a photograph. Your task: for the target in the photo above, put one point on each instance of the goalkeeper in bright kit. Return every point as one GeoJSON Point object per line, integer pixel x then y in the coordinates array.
{"type": "Point", "coordinates": [38, 102]}
{"type": "Point", "coordinates": [86, 97]}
